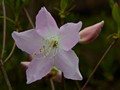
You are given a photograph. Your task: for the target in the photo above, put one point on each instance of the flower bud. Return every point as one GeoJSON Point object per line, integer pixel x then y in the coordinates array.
{"type": "Point", "coordinates": [90, 33]}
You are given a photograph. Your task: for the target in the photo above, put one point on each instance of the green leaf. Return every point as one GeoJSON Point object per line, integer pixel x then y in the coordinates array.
{"type": "Point", "coordinates": [15, 5]}
{"type": "Point", "coordinates": [26, 1]}
{"type": "Point", "coordinates": [116, 13]}
{"type": "Point", "coordinates": [63, 4]}
{"type": "Point", "coordinates": [1, 1]}
{"type": "Point", "coordinates": [111, 3]}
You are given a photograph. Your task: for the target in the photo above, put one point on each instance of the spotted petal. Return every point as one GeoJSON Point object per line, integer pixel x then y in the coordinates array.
{"type": "Point", "coordinates": [29, 41]}
{"type": "Point", "coordinates": [67, 62]}
{"type": "Point", "coordinates": [45, 23]}
{"type": "Point", "coordinates": [38, 68]}
{"type": "Point", "coordinates": [69, 35]}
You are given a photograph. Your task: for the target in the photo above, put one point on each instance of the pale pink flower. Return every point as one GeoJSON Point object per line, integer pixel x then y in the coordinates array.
{"type": "Point", "coordinates": [50, 46]}
{"type": "Point", "coordinates": [54, 74]}
{"type": "Point", "coordinates": [90, 33]}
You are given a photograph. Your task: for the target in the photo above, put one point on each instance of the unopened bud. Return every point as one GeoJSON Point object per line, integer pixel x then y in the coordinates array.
{"type": "Point", "coordinates": [90, 33]}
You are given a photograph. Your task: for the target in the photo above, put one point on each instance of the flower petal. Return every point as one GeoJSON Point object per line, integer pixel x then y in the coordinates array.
{"type": "Point", "coordinates": [38, 68]}
{"type": "Point", "coordinates": [28, 41]}
{"type": "Point", "coordinates": [25, 64]}
{"type": "Point", "coordinates": [69, 35]}
{"type": "Point", "coordinates": [67, 62]}
{"type": "Point", "coordinates": [45, 23]}
{"type": "Point", "coordinates": [77, 75]}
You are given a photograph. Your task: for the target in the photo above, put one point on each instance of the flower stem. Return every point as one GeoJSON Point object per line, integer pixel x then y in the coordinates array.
{"type": "Point", "coordinates": [7, 19]}
{"type": "Point", "coordinates": [101, 59]}
{"type": "Point", "coordinates": [11, 52]}
{"type": "Point", "coordinates": [77, 85]}
{"type": "Point", "coordinates": [28, 16]}
{"type": "Point", "coordinates": [5, 75]}
{"type": "Point", "coordinates": [8, 57]}
{"type": "Point", "coordinates": [63, 82]}
{"type": "Point", "coordinates": [4, 28]}
{"type": "Point", "coordinates": [52, 84]}
{"type": "Point", "coordinates": [62, 21]}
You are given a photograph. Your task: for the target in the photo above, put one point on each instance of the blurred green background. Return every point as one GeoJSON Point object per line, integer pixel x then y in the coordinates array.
{"type": "Point", "coordinates": [89, 12]}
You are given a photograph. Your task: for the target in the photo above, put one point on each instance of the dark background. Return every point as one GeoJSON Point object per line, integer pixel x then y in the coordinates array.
{"type": "Point", "coordinates": [107, 76]}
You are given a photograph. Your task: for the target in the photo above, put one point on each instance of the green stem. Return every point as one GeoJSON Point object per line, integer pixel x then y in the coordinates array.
{"type": "Point", "coordinates": [52, 84]}
{"type": "Point", "coordinates": [11, 53]}
{"type": "Point", "coordinates": [4, 28]}
{"type": "Point", "coordinates": [63, 82]}
{"type": "Point", "coordinates": [28, 16]}
{"type": "Point", "coordinates": [62, 21]}
{"type": "Point", "coordinates": [8, 19]}
{"type": "Point", "coordinates": [5, 75]}
{"type": "Point", "coordinates": [77, 85]}
{"type": "Point", "coordinates": [101, 59]}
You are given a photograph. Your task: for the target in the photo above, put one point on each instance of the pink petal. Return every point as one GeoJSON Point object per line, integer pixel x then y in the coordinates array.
{"type": "Point", "coordinates": [67, 62]}
{"type": "Point", "coordinates": [45, 23]}
{"type": "Point", "coordinates": [69, 35]}
{"type": "Point", "coordinates": [25, 64]}
{"type": "Point", "coordinates": [28, 41]}
{"type": "Point", "coordinates": [77, 76]}
{"type": "Point", "coordinates": [90, 33]}
{"type": "Point", "coordinates": [38, 68]}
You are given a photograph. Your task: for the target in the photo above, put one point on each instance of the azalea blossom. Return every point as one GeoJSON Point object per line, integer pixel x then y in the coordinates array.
{"type": "Point", "coordinates": [50, 47]}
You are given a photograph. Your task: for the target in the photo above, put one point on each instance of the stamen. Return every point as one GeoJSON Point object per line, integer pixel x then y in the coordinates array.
{"type": "Point", "coordinates": [55, 44]}
{"type": "Point", "coordinates": [40, 50]}
{"type": "Point", "coordinates": [46, 49]}
{"type": "Point", "coordinates": [34, 54]}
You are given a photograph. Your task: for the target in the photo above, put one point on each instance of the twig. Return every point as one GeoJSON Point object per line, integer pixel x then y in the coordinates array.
{"type": "Point", "coordinates": [4, 28]}
{"type": "Point", "coordinates": [52, 84]}
{"type": "Point", "coordinates": [8, 19]}
{"type": "Point", "coordinates": [28, 16]}
{"type": "Point", "coordinates": [62, 21]}
{"type": "Point", "coordinates": [8, 57]}
{"type": "Point", "coordinates": [63, 82]}
{"type": "Point", "coordinates": [5, 75]}
{"type": "Point", "coordinates": [11, 52]}
{"type": "Point", "coordinates": [78, 86]}
{"type": "Point", "coordinates": [108, 49]}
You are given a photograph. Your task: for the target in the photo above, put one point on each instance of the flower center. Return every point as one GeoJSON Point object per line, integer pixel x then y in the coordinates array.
{"type": "Point", "coordinates": [49, 48]}
{"type": "Point", "coordinates": [54, 43]}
